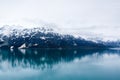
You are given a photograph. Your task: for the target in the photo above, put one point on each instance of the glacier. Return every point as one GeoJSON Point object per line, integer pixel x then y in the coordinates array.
{"type": "Point", "coordinates": [47, 37]}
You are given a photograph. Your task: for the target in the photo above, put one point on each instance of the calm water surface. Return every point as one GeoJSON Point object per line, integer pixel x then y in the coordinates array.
{"type": "Point", "coordinates": [54, 64]}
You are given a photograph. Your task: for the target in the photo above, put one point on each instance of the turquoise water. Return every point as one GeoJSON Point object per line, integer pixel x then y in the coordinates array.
{"type": "Point", "coordinates": [55, 64]}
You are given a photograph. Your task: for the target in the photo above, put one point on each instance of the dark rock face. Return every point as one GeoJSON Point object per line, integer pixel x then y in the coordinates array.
{"type": "Point", "coordinates": [45, 38]}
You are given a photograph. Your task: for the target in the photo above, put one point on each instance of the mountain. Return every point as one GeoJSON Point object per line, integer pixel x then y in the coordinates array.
{"type": "Point", "coordinates": [45, 37]}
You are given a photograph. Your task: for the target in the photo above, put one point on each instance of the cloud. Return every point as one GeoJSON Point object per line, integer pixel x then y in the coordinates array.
{"type": "Point", "coordinates": [79, 15]}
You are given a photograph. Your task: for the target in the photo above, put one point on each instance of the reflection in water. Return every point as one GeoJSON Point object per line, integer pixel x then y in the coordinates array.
{"type": "Point", "coordinates": [66, 64]}
{"type": "Point", "coordinates": [40, 58]}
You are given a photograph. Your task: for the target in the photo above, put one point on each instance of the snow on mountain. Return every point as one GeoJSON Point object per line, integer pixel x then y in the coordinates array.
{"type": "Point", "coordinates": [48, 37]}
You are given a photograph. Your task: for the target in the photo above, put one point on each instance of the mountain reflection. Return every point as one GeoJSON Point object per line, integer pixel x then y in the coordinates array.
{"type": "Point", "coordinates": [42, 58]}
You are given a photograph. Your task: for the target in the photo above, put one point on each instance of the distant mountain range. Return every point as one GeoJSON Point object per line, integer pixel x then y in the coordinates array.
{"type": "Point", "coordinates": [45, 37]}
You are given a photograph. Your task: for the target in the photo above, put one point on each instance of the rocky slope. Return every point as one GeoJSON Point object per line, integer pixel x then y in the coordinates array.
{"type": "Point", "coordinates": [45, 37]}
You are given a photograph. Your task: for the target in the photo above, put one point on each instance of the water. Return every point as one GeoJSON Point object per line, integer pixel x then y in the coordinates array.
{"type": "Point", "coordinates": [55, 64]}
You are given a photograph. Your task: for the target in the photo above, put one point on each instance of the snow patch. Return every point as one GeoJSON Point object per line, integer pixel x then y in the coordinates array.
{"type": "Point", "coordinates": [23, 46]}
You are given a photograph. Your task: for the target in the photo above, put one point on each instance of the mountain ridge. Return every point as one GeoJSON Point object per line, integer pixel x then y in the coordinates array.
{"type": "Point", "coordinates": [46, 37]}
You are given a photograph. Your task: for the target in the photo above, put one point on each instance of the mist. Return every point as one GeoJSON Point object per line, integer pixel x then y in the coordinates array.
{"type": "Point", "coordinates": [99, 17]}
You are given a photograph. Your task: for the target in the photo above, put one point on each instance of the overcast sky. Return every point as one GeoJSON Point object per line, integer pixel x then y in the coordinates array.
{"type": "Point", "coordinates": [90, 15]}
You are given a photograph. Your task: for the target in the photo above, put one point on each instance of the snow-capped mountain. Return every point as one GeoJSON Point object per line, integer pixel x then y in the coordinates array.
{"type": "Point", "coordinates": [46, 37]}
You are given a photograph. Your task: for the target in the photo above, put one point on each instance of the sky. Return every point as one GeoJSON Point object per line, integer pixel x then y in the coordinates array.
{"type": "Point", "coordinates": [85, 16]}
